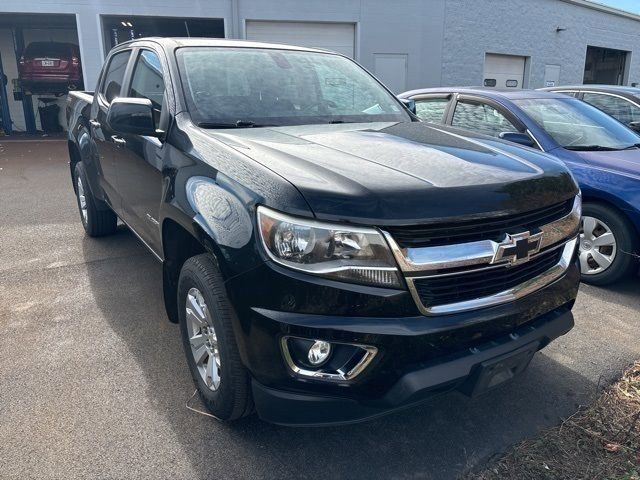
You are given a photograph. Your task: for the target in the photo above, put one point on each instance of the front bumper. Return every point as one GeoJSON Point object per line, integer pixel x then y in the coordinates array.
{"type": "Point", "coordinates": [457, 372]}
{"type": "Point", "coordinates": [417, 355]}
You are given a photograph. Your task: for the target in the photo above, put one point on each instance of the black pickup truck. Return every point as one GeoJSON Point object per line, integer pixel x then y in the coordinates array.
{"type": "Point", "coordinates": [328, 257]}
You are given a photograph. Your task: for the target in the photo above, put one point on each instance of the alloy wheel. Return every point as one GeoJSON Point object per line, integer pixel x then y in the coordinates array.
{"type": "Point", "coordinates": [203, 339]}
{"type": "Point", "coordinates": [598, 246]}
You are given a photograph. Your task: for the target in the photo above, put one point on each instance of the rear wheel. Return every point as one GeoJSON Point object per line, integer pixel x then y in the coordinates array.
{"type": "Point", "coordinates": [209, 342]}
{"type": "Point", "coordinates": [607, 245]}
{"type": "Point", "coordinates": [97, 222]}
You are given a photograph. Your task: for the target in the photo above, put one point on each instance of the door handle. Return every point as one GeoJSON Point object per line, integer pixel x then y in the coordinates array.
{"type": "Point", "coordinates": [94, 123]}
{"type": "Point", "coordinates": [118, 140]}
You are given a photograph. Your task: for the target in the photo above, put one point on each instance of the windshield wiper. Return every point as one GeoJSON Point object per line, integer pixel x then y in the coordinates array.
{"type": "Point", "coordinates": [331, 122]}
{"type": "Point", "coordinates": [631, 147]}
{"type": "Point", "coordinates": [591, 148]}
{"type": "Point", "coordinates": [237, 124]}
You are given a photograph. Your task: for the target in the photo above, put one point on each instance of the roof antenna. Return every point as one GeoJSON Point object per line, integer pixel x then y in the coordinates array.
{"type": "Point", "coordinates": [186, 26]}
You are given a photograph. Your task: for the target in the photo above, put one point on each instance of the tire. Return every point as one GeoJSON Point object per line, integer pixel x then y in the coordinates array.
{"type": "Point", "coordinates": [617, 247]}
{"type": "Point", "coordinates": [231, 398]}
{"type": "Point", "coordinates": [97, 222]}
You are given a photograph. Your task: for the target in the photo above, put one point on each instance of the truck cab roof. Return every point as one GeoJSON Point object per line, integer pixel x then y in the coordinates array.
{"type": "Point", "coordinates": [177, 42]}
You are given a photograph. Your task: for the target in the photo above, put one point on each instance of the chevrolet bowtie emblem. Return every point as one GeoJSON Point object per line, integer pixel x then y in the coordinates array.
{"type": "Point", "coordinates": [515, 249]}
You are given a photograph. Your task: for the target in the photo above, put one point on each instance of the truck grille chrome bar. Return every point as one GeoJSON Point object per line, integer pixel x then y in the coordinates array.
{"type": "Point", "coordinates": [447, 279]}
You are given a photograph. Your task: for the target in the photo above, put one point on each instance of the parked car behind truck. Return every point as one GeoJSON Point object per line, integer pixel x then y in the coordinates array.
{"type": "Point", "coordinates": [602, 154]}
{"type": "Point", "coordinates": [621, 102]}
{"type": "Point", "coordinates": [328, 257]}
{"type": "Point", "coordinates": [50, 67]}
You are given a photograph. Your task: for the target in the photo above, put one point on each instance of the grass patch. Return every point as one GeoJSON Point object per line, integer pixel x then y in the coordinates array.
{"type": "Point", "coordinates": [600, 441]}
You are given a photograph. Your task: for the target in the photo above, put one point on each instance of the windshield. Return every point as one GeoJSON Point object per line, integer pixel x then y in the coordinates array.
{"type": "Point", "coordinates": [253, 87]}
{"type": "Point", "coordinates": [576, 125]}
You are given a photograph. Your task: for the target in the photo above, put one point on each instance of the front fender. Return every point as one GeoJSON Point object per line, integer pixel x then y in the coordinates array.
{"type": "Point", "coordinates": [616, 188]}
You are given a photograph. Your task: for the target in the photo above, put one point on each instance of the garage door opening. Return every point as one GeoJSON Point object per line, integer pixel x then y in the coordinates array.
{"type": "Point", "coordinates": [504, 71]}
{"type": "Point", "coordinates": [118, 29]}
{"type": "Point", "coordinates": [39, 62]}
{"type": "Point", "coordinates": [337, 37]}
{"type": "Point", "coordinates": [605, 66]}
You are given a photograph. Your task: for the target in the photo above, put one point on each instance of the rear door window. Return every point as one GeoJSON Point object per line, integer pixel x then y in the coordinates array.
{"type": "Point", "coordinates": [431, 109]}
{"type": "Point", "coordinates": [115, 75]}
{"type": "Point", "coordinates": [481, 118]}
{"type": "Point", "coordinates": [619, 108]}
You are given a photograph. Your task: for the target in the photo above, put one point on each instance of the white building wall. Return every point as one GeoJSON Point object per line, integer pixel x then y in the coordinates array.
{"type": "Point", "coordinates": [529, 28]}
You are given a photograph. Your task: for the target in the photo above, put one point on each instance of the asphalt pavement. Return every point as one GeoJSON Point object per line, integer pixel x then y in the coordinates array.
{"type": "Point", "coordinates": [93, 380]}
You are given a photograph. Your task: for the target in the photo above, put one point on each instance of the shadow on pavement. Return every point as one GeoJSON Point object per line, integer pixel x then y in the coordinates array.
{"type": "Point", "coordinates": [435, 440]}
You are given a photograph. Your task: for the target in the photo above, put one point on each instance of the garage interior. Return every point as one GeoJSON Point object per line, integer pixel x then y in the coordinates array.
{"type": "Point", "coordinates": [605, 66]}
{"type": "Point", "coordinates": [21, 112]}
{"type": "Point", "coordinates": [118, 29]}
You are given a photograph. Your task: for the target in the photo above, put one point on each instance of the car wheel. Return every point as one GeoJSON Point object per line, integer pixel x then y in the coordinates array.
{"type": "Point", "coordinates": [97, 222]}
{"type": "Point", "coordinates": [209, 343]}
{"type": "Point", "coordinates": [607, 245]}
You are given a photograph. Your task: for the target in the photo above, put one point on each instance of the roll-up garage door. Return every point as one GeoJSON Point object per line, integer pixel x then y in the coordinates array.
{"type": "Point", "coordinates": [503, 71]}
{"type": "Point", "coordinates": [338, 37]}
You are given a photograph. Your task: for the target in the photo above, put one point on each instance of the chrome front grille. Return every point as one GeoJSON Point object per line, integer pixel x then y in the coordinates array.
{"type": "Point", "coordinates": [438, 290]}
{"type": "Point", "coordinates": [465, 276]}
{"type": "Point", "coordinates": [449, 233]}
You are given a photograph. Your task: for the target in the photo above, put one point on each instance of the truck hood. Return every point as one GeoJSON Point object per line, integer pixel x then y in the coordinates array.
{"type": "Point", "coordinates": [403, 173]}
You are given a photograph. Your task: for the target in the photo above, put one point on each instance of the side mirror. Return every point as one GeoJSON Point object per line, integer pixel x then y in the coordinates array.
{"type": "Point", "coordinates": [519, 138]}
{"type": "Point", "coordinates": [132, 116]}
{"type": "Point", "coordinates": [410, 104]}
{"type": "Point", "coordinates": [635, 126]}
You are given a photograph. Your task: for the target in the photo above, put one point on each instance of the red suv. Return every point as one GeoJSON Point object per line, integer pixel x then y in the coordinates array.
{"type": "Point", "coordinates": [50, 67]}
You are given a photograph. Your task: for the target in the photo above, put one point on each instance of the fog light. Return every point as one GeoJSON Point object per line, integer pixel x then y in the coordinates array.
{"type": "Point", "coordinates": [327, 361]}
{"type": "Point", "coordinates": [319, 352]}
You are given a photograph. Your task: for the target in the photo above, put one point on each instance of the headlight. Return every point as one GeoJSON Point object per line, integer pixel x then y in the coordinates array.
{"type": "Point", "coordinates": [351, 254]}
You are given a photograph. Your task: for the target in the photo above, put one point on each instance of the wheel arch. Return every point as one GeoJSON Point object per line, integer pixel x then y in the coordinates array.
{"type": "Point", "coordinates": [178, 245]}
{"type": "Point", "coordinates": [74, 158]}
{"type": "Point", "coordinates": [182, 240]}
{"type": "Point", "coordinates": [592, 196]}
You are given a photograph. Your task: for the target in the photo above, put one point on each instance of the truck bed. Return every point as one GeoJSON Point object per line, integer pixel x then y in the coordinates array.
{"type": "Point", "coordinates": [78, 109]}
{"type": "Point", "coordinates": [85, 96]}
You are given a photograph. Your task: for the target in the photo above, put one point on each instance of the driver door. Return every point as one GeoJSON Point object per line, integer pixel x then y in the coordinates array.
{"type": "Point", "coordinates": [140, 177]}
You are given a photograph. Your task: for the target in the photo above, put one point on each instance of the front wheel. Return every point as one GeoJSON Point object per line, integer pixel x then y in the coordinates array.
{"type": "Point", "coordinates": [209, 342]}
{"type": "Point", "coordinates": [607, 245]}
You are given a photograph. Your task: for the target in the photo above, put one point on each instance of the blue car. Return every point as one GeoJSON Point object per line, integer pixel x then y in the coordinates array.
{"type": "Point", "coordinates": [602, 153]}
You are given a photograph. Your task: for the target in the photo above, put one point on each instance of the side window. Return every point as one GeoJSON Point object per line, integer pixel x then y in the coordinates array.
{"type": "Point", "coordinates": [431, 109]}
{"type": "Point", "coordinates": [115, 75]}
{"type": "Point", "coordinates": [619, 108]}
{"type": "Point", "coordinates": [147, 79]}
{"type": "Point", "coordinates": [481, 118]}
